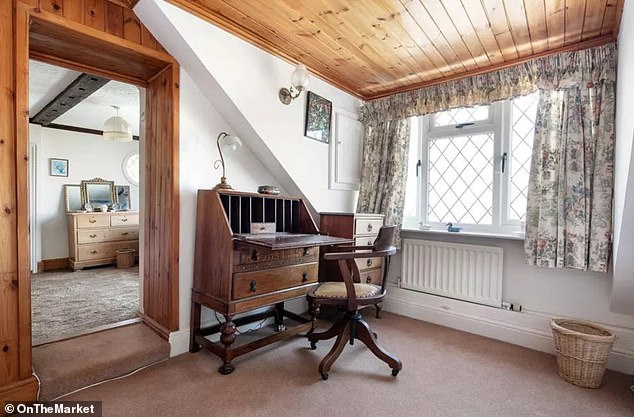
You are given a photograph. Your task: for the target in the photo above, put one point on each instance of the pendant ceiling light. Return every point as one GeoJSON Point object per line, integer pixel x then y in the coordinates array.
{"type": "Point", "coordinates": [117, 129]}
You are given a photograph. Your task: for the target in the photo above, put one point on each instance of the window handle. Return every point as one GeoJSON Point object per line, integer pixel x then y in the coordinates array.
{"type": "Point", "coordinates": [418, 165]}
{"type": "Point", "coordinates": [461, 125]}
{"type": "Point", "coordinates": [504, 158]}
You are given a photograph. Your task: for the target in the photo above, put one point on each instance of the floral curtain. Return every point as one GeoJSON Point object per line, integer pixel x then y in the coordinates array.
{"type": "Point", "coordinates": [384, 170]}
{"type": "Point", "coordinates": [569, 213]}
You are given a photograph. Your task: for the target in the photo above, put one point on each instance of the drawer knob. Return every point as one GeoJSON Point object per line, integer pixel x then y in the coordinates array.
{"type": "Point", "coordinates": [93, 236]}
{"type": "Point", "coordinates": [125, 234]}
{"type": "Point", "coordinates": [304, 277]}
{"type": "Point", "coordinates": [369, 227]}
{"type": "Point", "coordinates": [368, 280]}
{"type": "Point", "coordinates": [125, 219]}
{"type": "Point", "coordinates": [306, 252]}
{"type": "Point", "coordinates": [5, 348]}
{"type": "Point", "coordinates": [254, 255]}
{"type": "Point", "coordinates": [369, 262]}
{"type": "Point", "coordinates": [253, 286]}
{"type": "Point", "coordinates": [370, 243]}
{"type": "Point", "coordinates": [93, 251]}
{"type": "Point", "coordinates": [92, 221]}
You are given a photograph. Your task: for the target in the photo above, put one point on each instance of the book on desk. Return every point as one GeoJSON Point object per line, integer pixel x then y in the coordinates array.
{"type": "Point", "coordinates": [236, 271]}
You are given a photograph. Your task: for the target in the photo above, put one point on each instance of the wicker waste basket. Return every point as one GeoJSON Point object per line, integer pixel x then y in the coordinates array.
{"type": "Point", "coordinates": [582, 351]}
{"type": "Point", "coordinates": [125, 258]}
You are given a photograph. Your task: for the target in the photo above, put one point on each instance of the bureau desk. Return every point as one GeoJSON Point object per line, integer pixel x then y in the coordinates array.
{"type": "Point", "coordinates": [237, 271]}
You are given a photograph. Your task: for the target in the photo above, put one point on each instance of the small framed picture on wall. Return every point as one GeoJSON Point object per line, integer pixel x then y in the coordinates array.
{"type": "Point", "coordinates": [318, 113]}
{"type": "Point", "coordinates": [58, 167]}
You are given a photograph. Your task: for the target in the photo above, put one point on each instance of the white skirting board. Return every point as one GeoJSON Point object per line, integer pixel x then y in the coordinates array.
{"type": "Point", "coordinates": [527, 329]}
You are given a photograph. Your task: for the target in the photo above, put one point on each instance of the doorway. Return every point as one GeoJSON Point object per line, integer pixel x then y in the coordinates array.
{"type": "Point", "coordinates": [84, 188]}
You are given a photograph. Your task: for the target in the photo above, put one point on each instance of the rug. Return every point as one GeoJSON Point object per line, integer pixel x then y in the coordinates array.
{"type": "Point", "coordinates": [66, 304]}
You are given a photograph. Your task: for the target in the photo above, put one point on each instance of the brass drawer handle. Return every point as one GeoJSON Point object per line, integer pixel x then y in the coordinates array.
{"type": "Point", "coordinates": [93, 236]}
{"type": "Point", "coordinates": [306, 252]}
{"type": "Point", "coordinates": [125, 234]}
{"type": "Point", "coordinates": [368, 280]}
{"type": "Point", "coordinates": [370, 243]}
{"type": "Point", "coordinates": [92, 220]}
{"type": "Point", "coordinates": [253, 286]}
{"type": "Point", "coordinates": [93, 252]}
{"type": "Point", "coordinates": [369, 227]}
{"type": "Point", "coordinates": [304, 277]}
{"type": "Point", "coordinates": [125, 219]}
{"type": "Point", "coordinates": [369, 262]}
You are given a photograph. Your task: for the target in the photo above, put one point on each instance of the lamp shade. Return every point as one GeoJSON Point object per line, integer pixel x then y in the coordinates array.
{"type": "Point", "coordinates": [300, 78]}
{"type": "Point", "coordinates": [117, 129]}
{"type": "Point", "coordinates": [230, 143]}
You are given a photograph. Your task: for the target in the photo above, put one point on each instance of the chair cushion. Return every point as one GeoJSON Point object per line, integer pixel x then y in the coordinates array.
{"type": "Point", "coordinates": [338, 290]}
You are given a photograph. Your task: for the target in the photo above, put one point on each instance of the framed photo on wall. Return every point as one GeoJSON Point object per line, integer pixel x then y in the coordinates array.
{"type": "Point", "coordinates": [318, 116]}
{"type": "Point", "coordinates": [58, 167]}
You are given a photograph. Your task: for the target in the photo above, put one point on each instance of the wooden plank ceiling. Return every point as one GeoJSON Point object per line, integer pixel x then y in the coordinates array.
{"type": "Point", "coordinates": [374, 48]}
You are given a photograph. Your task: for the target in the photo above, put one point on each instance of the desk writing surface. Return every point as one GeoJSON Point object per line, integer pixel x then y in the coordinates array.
{"type": "Point", "coordinates": [277, 241]}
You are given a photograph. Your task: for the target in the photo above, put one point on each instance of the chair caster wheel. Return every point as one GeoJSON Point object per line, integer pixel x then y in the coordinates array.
{"type": "Point", "coordinates": [313, 345]}
{"type": "Point", "coordinates": [395, 372]}
{"type": "Point", "coordinates": [324, 376]}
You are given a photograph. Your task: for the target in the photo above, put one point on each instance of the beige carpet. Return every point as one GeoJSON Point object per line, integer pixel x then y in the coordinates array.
{"type": "Point", "coordinates": [446, 373]}
{"type": "Point", "coordinates": [65, 366]}
{"type": "Point", "coordinates": [68, 303]}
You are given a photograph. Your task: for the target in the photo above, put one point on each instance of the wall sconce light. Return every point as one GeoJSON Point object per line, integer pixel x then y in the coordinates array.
{"type": "Point", "coordinates": [117, 129]}
{"type": "Point", "coordinates": [299, 82]}
{"type": "Point", "coordinates": [228, 143]}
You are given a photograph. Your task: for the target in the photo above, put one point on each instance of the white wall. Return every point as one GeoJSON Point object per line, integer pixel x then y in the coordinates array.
{"type": "Point", "coordinates": [244, 81]}
{"type": "Point", "coordinates": [89, 156]}
{"type": "Point", "coordinates": [623, 288]}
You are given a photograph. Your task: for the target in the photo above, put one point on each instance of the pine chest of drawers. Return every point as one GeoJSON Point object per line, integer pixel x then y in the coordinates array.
{"type": "Point", "coordinates": [363, 228]}
{"type": "Point", "coordinates": [94, 238]}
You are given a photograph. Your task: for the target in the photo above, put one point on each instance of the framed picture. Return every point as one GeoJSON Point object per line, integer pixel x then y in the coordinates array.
{"type": "Point", "coordinates": [123, 197]}
{"type": "Point", "coordinates": [318, 113]}
{"type": "Point", "coordinates": [58, 167]}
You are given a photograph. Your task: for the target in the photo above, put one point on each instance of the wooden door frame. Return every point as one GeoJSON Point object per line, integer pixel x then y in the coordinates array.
{"type": "Point", "coordinates": [167, 109]}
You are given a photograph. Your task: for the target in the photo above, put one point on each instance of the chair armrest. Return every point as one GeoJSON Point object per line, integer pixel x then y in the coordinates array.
{"type": "Point", "coordinates": [355, 255]}
{"type": "Point", "coordinates": [347, 248]}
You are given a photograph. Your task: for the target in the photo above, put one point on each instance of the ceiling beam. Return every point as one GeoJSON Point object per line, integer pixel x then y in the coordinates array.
{"type": "Point", "coordinates": [80, 129]}
{"type": "Point", "coordinates": [76, 92]}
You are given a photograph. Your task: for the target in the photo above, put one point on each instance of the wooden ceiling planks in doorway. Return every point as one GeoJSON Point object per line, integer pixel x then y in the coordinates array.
{"type": "Point", "coordinates": [373, 48]}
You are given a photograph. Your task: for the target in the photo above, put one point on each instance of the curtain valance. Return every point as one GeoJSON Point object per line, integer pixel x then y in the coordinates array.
{"type": "Point", "coordinates": [592, 65]}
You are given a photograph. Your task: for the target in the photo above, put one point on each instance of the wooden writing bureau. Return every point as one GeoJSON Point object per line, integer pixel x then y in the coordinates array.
{"type": "Point", "coordinates": [236, 271]}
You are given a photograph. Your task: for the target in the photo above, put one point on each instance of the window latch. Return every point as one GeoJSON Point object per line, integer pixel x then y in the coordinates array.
{"type": "Point", "coordinates": [504, 158]}
{"type": "Point", "coordinates": [461, 125]}
{"type": "Point", "coordinates": [418, 165]}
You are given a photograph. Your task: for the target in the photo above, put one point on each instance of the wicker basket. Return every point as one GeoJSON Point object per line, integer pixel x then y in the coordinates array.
{"type": "Point", "coordinates": [125, 258]}
{"type": "Point", "coordinates": [582, 351]}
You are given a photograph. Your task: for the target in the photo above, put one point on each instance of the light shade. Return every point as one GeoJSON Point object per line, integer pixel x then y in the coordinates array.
{"type": "Point", "coordinates": [117, 129]}
{"type": "Point", "coordinates": [300, 78]}
{"type": "Point", "coordinates": [230, 143]}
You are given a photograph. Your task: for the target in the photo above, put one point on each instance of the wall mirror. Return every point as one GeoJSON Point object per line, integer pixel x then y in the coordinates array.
{"type": "Point", "coordinates": [98, 191]}
{"type": "Point", "coordinates": [72, 194]}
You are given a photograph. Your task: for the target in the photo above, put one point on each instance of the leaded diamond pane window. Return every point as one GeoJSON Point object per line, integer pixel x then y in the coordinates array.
{"type": "Point", "coordinates": [523, 112]}
{"type": "Point", "coordinates": [460, 179]}
{"type": "Point", "coordinates": [460, 116]}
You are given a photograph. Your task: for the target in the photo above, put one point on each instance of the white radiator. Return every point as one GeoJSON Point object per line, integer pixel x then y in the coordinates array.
{"type": "Point", "coordinates": [465, 272]}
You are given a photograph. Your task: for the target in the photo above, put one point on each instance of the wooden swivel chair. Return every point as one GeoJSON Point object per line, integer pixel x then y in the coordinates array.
{"type": "Point", "coordinates": [352, 295]}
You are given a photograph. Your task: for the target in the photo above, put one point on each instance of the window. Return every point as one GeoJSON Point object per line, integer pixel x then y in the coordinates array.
{"type": "Point", "coordinates": [470, 166]}
{"type": "Point", "coordinates": [130, 168]}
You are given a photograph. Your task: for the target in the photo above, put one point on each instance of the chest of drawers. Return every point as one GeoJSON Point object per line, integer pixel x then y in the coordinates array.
{"type": "Point", "coordinates": [363, 228]}
{"type": "Point", "coordinates": [94, 238]}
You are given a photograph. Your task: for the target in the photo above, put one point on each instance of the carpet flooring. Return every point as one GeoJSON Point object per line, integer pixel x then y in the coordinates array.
{"type": "Point", "coordinates": [65, 366]}
{"type": "Point", "coordinates": [66, 304]}
{"type": "Point", "coordinates": [446, 373]}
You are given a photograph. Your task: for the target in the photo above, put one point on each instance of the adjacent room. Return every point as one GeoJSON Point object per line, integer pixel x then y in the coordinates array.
{"type": "Point", "coordinates": [308, 208]}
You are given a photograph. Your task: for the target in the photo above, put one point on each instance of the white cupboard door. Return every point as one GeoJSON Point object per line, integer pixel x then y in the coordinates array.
{"type": "Point", "coordinates": [345, 151]}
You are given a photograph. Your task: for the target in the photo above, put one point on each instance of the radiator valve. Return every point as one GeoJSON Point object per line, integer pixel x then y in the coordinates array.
{"type": "Point", "coordinates": [511, 307]}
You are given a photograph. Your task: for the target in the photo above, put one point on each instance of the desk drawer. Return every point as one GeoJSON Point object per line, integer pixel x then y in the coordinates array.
{"type": "Point", "coordinates": [92, 220]}
{"type": "Point", "coordinates": [248, 284]}
{"type": "Point", "coordinates": [124, 220]}
{"type": "Point", "coordinates": [90, 236]}
{"type": "Point", "coordinates": [127, 233]}
{"type": "Point", "coordinates": [249, 258]}
{"type": "Point", "coordinates": [368, 226]}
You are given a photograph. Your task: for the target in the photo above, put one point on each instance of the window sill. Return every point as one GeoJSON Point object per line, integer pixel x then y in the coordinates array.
{"type": "Point", "coordinates": [507, 236]}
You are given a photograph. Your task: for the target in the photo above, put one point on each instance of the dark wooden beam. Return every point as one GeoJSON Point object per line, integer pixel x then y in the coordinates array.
{"type": "Point", "coordinates": [78, 129]}
{"type": "Point", "coordinates": [73, 94]}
